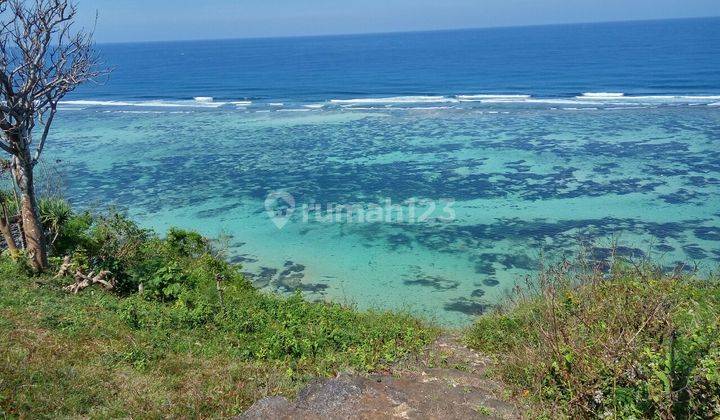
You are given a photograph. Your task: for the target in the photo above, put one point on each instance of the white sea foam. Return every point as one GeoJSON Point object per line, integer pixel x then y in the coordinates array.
{"type": "Point", "coordinates": [424, 108]}
{"type": "Point", "coordinates": [679, 98]}
{"type": "Point", "coordinates": [395, 100]}
{"type": "Point", "coordinates": [589, 99]}
{"type": "Point", "coordinates": [485, 97]}
{"type": "Point", "coordinates": [530, 100]}
{"type": "Point", "coordinates": [648, 99]}
{"type": "Point", "coordinates": [602, 95]}
{"type": "Point", "coordinates": [95, 103]}
{"type": "Point", "coordinates": [603, 98]}
{"type": "Point", "coordinates": [133, 112]}
{"type": "Point", "coordinates": [521, 99]}
{"type": "Point", "coordinates": [360, 108]}
{"type": "Point", "coordinates": [149, 104]}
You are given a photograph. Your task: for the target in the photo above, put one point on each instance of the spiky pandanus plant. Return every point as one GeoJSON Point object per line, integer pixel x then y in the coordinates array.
{"type": "Point", "coordinates": [54, 213]}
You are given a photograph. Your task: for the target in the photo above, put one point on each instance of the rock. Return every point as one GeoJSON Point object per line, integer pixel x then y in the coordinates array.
{"type": "Point", "coordinates": [422, 392]}
{"type": "Point", "coordinates": [267, 408]}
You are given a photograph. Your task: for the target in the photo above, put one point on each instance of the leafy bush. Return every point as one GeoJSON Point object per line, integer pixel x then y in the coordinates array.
{"type": "Point", "coordinates": [137, 256]}
{"type": "Point", "coordinates": [632, 343]}
{"type": "Point", "coordinates": [119, 245]}
{"type": "Point", "coordinates": [187, 243]}
{"type": "Point", "coordinates": [168, 283]}
{"type": "Point", "coordinates": [72, 235]}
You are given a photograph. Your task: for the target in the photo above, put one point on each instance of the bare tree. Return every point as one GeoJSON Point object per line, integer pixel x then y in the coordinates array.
{"type": "Point", "coordinates": [42, 58]}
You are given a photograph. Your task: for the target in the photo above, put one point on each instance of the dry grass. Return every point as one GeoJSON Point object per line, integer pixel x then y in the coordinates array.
{"type": "Point", "coordinates": [584, 341]}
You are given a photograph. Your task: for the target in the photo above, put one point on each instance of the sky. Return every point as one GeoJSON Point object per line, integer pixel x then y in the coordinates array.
{"type": "Point", "coordinates": [158, 20]}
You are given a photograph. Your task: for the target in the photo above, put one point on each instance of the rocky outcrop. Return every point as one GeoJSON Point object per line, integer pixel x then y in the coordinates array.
{"type": "Point", "coordinates": [450, 383]}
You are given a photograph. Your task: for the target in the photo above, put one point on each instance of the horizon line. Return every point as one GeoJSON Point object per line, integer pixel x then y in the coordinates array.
{"type": "Point", "coordinates": [418, 31]}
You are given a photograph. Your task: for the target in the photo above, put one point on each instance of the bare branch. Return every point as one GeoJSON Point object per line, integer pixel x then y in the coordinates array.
{"type": "Point", "coordinates": [42, 59]}
{"type": "Point", "coordinates": [46, 131]}
{"type": "Point", "coordinates": [6, 147]}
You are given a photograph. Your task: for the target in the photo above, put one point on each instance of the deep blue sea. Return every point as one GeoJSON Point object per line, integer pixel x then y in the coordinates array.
{"type": "Point", "coordinates": [655, 57]}
{"type": "Point", "coordinates": [424, 171]}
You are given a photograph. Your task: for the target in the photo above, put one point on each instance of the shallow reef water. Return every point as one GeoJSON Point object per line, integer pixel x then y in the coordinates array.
{"type": "Point", "coordinates": [523, 184]}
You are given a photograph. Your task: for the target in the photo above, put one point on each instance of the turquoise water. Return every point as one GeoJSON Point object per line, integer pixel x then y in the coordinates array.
{"type": "Point", "coordinates": [489, 144]}
{"type": "Point", "coordinates": [522, 178]}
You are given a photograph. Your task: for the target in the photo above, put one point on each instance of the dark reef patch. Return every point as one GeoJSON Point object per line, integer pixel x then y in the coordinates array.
{"type": "Point", "coordinates": [478, 293]}
{"type": "Point", "coordinates": [399, 240]}
{"type": "Point", "coordinates": [708, 233]}
{"type": "Point", "coordinates": [263, 278]}
{"type": "Point", "coordinates": [436, 282]}
{"type": "Point", "coordinates": [467, 306]}
{"type": "Point", "coordinates": [485, 267]}
{"type": "Point", "coordinates": [664, 248]}
{"type": "Point", "coordinates": [490, 282]}
{"type": "Point", "coordinates": [629, 252]}
{"type": "Point", "coordinates": [694, 252]}
{"type": "Point", "coordinates": [682, 196]}
{"type": "Point", "coordinates": [212, 213]}
{"type": "Point", "coordinates": [242, 258]}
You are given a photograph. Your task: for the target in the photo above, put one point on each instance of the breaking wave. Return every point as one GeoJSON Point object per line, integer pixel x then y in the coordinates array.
{"type": "Point", "coordinates": [395, 100]}
{"type": "Point", "coordinates": [604, 100]}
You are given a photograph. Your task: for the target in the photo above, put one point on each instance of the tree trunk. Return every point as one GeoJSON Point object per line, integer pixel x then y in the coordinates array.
{"type": "Point", "coordinates": [32, 228]}
{"type": "Point", "coordinates": [6, 230]}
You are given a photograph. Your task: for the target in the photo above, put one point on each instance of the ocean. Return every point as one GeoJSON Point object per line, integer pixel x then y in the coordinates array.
{"type": "Point", "coordinates": [428, 171]}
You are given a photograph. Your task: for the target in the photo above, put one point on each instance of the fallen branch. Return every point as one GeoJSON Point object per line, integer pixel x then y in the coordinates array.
{"type": "Point", "coordinates": [64, 268]}
{"type": "Point", "coordinates": [83, 280]}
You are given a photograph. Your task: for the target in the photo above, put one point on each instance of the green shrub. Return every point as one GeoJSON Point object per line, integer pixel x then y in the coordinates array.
{"type": "Point", "coordinates": [185, 243]}
{"type": "Point", "coordinates": [633, 343]}
{"type": "Point", "coordinates": [168, 283]}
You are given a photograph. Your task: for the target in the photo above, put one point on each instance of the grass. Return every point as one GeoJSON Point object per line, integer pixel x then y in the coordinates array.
{"type": "Point", "coordinates": [176, 349]}
{"type": "Point", "coordinates": [631, 342]}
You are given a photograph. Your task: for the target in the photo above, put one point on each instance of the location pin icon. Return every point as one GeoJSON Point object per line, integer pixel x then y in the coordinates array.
{"type": "Point", "coordinates": [280, 206]}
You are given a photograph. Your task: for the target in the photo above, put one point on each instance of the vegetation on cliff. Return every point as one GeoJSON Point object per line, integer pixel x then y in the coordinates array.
{"type": "Point", "coordinates": [173, 329]}
{"type": "Point", "coordinates": [633, 341]}
{"type": "Point", "coordinates": [198, 340]}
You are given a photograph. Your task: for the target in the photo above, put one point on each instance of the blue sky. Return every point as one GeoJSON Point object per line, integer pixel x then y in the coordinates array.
{"type": "Point", "coordinates": [152, 20]}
